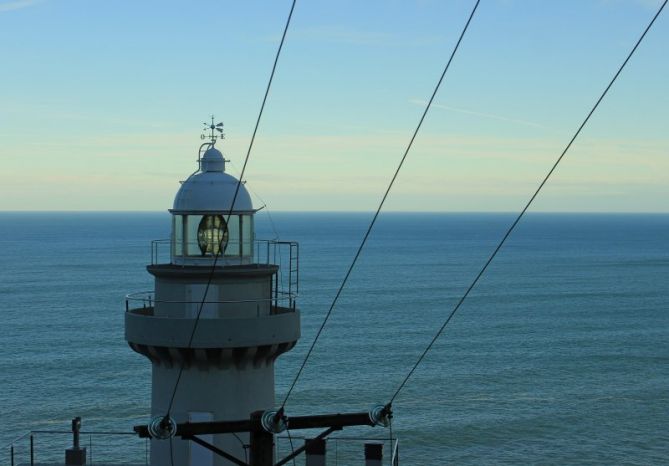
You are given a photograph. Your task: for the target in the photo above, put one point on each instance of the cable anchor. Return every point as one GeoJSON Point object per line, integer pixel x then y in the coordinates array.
{"type": "Point", "coordinates": [162, 427]}
{"type": "Point", "coordinates": [273, 421]}
{"type": "Point", "coordinates": [381, 415]}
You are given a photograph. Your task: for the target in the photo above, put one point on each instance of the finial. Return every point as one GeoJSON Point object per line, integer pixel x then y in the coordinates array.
{"type": "Point", "coordinates": [212, 127]}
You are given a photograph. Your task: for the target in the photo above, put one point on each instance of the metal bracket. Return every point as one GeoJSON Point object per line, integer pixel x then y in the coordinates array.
{"type": "Point", "coordinates": [306, 445]}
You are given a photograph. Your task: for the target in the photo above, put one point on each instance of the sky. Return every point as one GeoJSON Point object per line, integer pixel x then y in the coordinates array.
{"type": "Point", "coordinates": [102, 103]}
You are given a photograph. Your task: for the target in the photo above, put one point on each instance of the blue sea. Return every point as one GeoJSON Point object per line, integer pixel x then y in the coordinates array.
{"type": "Point", "coordinates": [559, 356]}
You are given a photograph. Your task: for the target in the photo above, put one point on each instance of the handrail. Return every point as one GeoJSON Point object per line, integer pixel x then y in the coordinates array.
{"type": "Point", "coordinates": [134, 297]}
{"type": "Point", "coordinates": [259, 249]}
{"type": "Point", "coordinates": [20, 437]}
{"type": "Point", "coordinates": [31, 434]}
{"type": "Point", "coordinates": [284, 254]}
{"type": "Point", "coordinates": [343, 438]}
{"type": "Point", "coordinates": [336, 456]}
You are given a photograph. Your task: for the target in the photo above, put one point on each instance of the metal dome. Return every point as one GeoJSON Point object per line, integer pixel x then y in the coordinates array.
{"type": "Point", "coordinates": [211, 189]}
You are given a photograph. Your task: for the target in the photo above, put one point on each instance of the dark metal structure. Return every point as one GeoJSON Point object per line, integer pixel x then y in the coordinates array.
{"type": "Point", "coordinates": [262, 425]}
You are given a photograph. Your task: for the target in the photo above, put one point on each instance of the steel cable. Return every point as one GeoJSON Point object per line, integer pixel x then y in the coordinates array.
{"type": "Point", "coordinates": [221, 250]}
{"type": "Point", "coordinates": [378, 210]}
{"type": "Point", "coordinates": [520, 215]}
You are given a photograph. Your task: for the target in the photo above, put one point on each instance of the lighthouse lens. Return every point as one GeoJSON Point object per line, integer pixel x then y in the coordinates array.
{"type": "Point", "coordinates": [212, 235]}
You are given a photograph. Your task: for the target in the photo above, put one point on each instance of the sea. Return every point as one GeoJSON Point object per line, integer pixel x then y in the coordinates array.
{"type": "Point", "coordinates": [560, 355]}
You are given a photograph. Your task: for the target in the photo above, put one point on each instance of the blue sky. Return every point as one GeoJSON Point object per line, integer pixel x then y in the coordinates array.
{"type": "Point", "coordinates": [101, 103]}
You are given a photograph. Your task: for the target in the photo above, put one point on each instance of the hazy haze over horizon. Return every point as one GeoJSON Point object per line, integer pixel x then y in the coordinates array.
{"type": "Point", "coordinates": [102, 104]}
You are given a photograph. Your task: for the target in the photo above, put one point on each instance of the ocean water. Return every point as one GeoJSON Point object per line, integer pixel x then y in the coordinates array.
{"type": "Point", "coordinates": [559, 356]}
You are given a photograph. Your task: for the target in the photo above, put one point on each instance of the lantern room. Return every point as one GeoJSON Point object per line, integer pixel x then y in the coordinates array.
{"type": "Point", "coordinates": [205, 223]}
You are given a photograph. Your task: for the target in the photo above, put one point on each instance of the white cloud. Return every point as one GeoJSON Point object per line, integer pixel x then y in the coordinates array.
{"type": "Point", "coordinates": [423, 103]}
{"type": "Point", "coordinates": [17, 4]}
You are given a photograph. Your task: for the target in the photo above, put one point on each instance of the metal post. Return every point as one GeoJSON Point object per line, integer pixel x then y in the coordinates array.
{"type": "Point", "coordinates": [32, 450]}
{"type": "Point", "coordinates": [315, 452]}
{"type": "Point", "coordinates": [262, 443]}
{"type": "Point", "coordinates": [76, 456]}
{"type": "Point", "coordinates": [373, 454]}
{"type": "Point", "coordinates": [336, 451]}
{"type": "Point", "coordinates": [11, 453]}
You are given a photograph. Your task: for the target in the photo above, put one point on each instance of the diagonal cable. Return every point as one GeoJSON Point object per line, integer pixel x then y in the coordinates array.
{"type": "Point", "coordinates": [520, 215]}
{"type": "Point", "coordinates": [378, 210]}
{"type": "Point", "coordinates": [221, 250]}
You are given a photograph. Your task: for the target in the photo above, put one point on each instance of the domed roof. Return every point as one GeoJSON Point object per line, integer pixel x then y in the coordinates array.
{"type": "Point", "coordinates": [211, 189]}
{"type": "Point", "coordinates": [212, 161]}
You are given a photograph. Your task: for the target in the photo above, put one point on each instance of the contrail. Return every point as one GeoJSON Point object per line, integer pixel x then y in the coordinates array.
{"type": "Point", "coordinates": [484, 115]}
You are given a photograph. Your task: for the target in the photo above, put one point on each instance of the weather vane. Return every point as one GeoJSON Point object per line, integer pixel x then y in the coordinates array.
{"type": "Point", "coordinates": [212, 127]}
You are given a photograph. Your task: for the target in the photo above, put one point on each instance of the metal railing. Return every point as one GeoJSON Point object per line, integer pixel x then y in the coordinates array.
{"type": "Point", "coordinates": [146, 300]}
{"type": "Point", "coordinates": [48, 446]}
{"type": "Point", "coordinates": [125, 448]}
{"type": "Point", "coordinates": [343, 451]}
{"type": "Point", "coordinates": [264, 251]}
{"type": "Point", "coordinates": [284, 254]}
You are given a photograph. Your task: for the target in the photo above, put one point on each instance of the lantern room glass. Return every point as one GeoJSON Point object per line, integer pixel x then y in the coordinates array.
{"type": "Point", "coordinates": [196, 236]}
{"type": "Point", "coordinates": [212, 235]}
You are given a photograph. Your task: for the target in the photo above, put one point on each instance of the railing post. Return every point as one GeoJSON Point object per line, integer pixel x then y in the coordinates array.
{"type": "Point", "coordinates": [290, 272]}
{"type": "Point", "coordinates": [32, 450]}
{"type": "Point", "coordinates": [11, 453]}
{"type": "Point", "coordinates": [315, 452]}
{"type": "Point", "coordinates": [75, 456]}
{"type": "Point", "coordinates": [336, 451]}
{"type": "Point", "coordinates": [373, 454]}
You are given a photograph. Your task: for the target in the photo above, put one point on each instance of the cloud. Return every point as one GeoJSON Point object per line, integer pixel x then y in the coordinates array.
{"type": "Point", "coordinates": [423, 103]}
{"type": "Point", "coordinates": [17, 4]}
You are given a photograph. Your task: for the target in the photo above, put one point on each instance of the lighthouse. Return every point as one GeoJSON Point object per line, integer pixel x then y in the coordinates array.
{"type": "Point", "coordinates": [221, 311]}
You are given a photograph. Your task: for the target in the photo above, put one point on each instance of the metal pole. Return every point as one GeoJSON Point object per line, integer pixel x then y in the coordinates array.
{"type": "Point", "coordinates": [373, 454]}
{"type": "Point", "coordinates": [32, 450]}
{"type": "Point", "coordinates": [12, 454]}
{"type": "Point", "coordinates": [336, 452]}
{"type": "Point", "coordinates": [262, 443]}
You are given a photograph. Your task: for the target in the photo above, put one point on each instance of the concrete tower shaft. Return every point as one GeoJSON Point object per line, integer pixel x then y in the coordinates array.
{"type": "Point", "coordinates": [218, 314]}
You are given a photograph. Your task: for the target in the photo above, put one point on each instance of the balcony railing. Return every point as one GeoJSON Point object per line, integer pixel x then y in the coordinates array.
{"type": "Point", "coordinates": [48, 447]}
{"type": "Point", "coordinates": [146, 300]}
{"type": "Point", "coordinates": [284, 254]}
{"type": "Point", "coordinates": [126, 449]}
{"type": "Point", "coordinates": [341, 450]}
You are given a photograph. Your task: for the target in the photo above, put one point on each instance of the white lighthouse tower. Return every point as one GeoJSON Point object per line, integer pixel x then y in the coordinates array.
{"type": "Point", "coordinates": [246, 320]}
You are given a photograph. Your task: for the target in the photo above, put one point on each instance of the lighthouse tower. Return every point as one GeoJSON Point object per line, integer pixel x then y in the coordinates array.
{"type": "Point", "coordinates": [217, 269]}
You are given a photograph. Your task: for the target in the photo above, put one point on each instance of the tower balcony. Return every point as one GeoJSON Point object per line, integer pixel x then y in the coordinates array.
{"type": "Point", "coordinates": [216, 343]}
{"type": "Point", "coordinates": [211, 341]}
{"type": "Point", "coordinates": [241, 310]}
{"type": "Point", "coordinates": [145, 303]}
{"type": "Point", "coordinates": [281, 258]}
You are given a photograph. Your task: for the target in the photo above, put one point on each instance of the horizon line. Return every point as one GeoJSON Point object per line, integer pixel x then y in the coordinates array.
{"type": "Point", "coordinates": [504, 212]}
